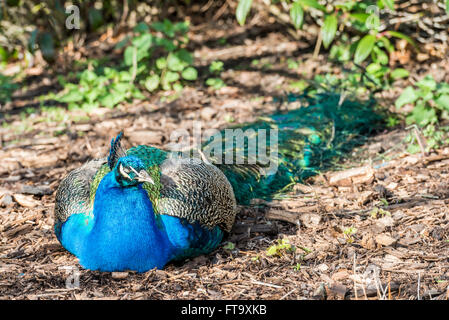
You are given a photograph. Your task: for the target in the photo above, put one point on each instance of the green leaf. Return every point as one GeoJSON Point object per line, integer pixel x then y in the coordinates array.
{"type": "Point", "coordinates": [161, 63]}
{"type": "Point", "coordinates": [364, 48]}
{"type": "Point", "coordinates": [181, 27]}
{"type": "Point", "coordinates": [402, 36]}
{"type": "Point", "coordinates": [89, 106]}
{"type": "Point", "coordinates": [152, 82]}
{"type": "Point", "coordinates": [111, 99]}
{"type": "Point", "coordinates": [425, 94]}
{"type": "Point", "coordinates": [189, 73]}
{"type": "Point", "coordinates": [165, 27]}
{"type": "Point", "coordinates": [389, 4]}
{"type": "Point", "coordinates": [137, 94]}
{"type": "Point", "coordinates": [229, 246]}
{"type": "Point", "coordinates": [110, 73]}
{"type": "Point", "coordinates": [297, 15]}
{"type": "Point", "coordinates": [171, 77]}
{"type": "Point", "coordinates": [168, 28]}
{"type": "Point", "coordinates": [443, 87]}
{"type": "Point", "coordinates": [271, 251]}
{"type": "Point", "coordinates": [443, 101]}
{"type": "Point", "coordinates": [216, 66]}
{"type": "Point", "coordinates": [92, 95]}
{"type": "Point", "coordinates": [174, 63]}
{"type": "Point", "coordinates": [108, 101]}
{"type": "Point", "coordinates": [422, 115]}
{"type": "Point", "coordinates": [447, 7]}
{"type": "Point", "coordinates": [387, 44]}
{"type": "Point", "coordinates": [143, 44]}
{"type": "Point", "coordinates": [177, 86]}
{"type": "Point", "coordinates": [359, 16]}
{"type": "Point", "coordinates": [128, 55]}
{"type": "Point", "coordinates": [373, 68]}
{"type": "Point", "coordinates": [32, 41]}
{"type": "Point", "coordinates": [142, 27]}
{"type": "Point", "coordinates": [88, 77]}
{"type": "Point", "coordinates": [380, 55]}
{"type": "Point", "coordinates": [399, 73]}
{"type": "Point", "coordinates": [72, 96]}
{"type": "Point", "coordinates": [408, 96]}
{"type": "Point", "coordinates": [242, 11]}
{"type": "Point", "coordinates": [166, 43]}
{"type": "Point", "coordinates": [313, 4]}
{"type": "Point", "coordinates": [329, 29]}
{"type": "Point", "coordinates": [95, 18]}
{"type": "Point", "coordinates": [215, 83]}
{"type": "Point", "coordinates": [125, 76]}
{"type": "Point", "coordinates": [122, 87]}
{"type": "Point", "coordinates": [428, 82]}
{"type": "Point", "coordinates": [413, 148]}
{"type": "Point", "coordinates": [122, 43]}
{"type": "Point", "coordinates": [47, 46]}
{"type": "Point", "coordinates": [185, 56]}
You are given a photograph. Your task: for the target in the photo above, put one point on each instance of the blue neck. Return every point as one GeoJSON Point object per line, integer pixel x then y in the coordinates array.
{"type": "Point", "coordinates": [125, 234]}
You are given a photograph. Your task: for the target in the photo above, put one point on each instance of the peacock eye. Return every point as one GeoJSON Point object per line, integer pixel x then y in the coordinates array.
{"type": "Point", "coordinates": [124, 172]}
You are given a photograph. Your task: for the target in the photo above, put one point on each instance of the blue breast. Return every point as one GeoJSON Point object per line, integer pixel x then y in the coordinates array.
{"type": "Point", "coordinates": [125, 234]}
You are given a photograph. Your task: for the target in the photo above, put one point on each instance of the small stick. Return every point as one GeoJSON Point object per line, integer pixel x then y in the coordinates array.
{"type": "Point", "coordinates": [266, 284]}
{"type": "Point", "coordinates": [316, 51]}
{"type": "Point", "coordinates": [419, 284]}
{"type": "Point", "coordinates": [287, 294]}
{"type": "Point", "coordinates": [354, 272]}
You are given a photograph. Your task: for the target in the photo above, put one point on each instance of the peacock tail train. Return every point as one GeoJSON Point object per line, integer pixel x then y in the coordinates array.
{"type": "Point", "coordinates": [310, 139]}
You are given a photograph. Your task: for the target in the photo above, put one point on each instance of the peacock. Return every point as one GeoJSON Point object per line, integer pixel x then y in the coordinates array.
{"type": "Point", "coordinates": [142, 208]}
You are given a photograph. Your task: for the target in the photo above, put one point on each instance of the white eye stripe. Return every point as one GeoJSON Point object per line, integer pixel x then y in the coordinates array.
{"type": "Point", "coordinates": [124, 172]}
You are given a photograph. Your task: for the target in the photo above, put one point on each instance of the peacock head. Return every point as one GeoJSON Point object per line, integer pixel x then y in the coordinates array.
{"type": "Point", "coordinates": [130, 171]}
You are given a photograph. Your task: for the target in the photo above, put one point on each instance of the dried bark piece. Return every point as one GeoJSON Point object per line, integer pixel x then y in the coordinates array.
{"type": "Point", "coordinates": [385, 240]}
{"type": "Point", "coordinates": [37, 190]}
{"type": "Point", "coordinates": [353, 176]}
{"type": "Point", "coordinates": [26, 201]}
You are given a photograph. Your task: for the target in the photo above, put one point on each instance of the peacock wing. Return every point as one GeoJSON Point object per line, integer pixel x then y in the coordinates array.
{"type": "Point", "coordinates": [74, 191]}
{"type": "Point", "coordinates": [196, 191]}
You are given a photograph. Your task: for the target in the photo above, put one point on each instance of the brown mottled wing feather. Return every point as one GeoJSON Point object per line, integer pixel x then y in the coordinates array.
{"type": "Point", "coordinates": [73, 194]}
{"type": "Point", "coordinates": [196, 191]}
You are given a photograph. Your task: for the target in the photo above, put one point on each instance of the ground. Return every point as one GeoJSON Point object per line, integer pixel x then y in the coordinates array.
{"type": "Point", "coordinates": [379, 231]}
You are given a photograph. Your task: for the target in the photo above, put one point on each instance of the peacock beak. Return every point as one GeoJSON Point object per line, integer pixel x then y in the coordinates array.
{"type": "Point", "coordinates": [143, 176]}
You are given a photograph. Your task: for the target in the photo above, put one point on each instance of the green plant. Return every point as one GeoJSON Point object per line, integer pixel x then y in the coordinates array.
{"type": "Point", "coordinates": [357, 15]}
{"type": "Point", "coordinates": [215, 83]}
{"type": "Point", "coordinates": [7, 88]}
{"type": "Point", "coordinates": [375, 212]}
{"type": "Point", "coordinates": [215, 68]}
{"type": "Point", "coordinates": [430, 101]}
{"type": "Point", "coordinates": [154, 58]}
{"type": "Point", "coordinates": [229, 246]}
{"type": "Point", "coordinates": [283, 246]}
{"type": "Point", "coordinates": [348, 233]}
{"type": "Point", "coordinates": [94, 89]}
{"type": "Point", "coordinates": [160, 61]}
{"type": "Point", "coordinates": [292, 64]}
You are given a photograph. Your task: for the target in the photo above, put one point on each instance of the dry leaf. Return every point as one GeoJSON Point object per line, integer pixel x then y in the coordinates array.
{"type": "Point", "coordinates": [26, 201]}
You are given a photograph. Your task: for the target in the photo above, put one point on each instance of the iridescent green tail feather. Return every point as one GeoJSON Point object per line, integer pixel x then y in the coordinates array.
{"type": "Point", "coordinates": [310, 139]}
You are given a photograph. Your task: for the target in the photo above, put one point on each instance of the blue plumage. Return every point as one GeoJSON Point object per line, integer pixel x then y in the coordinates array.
{"type": "Point", "coordinates": [122, 231]}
